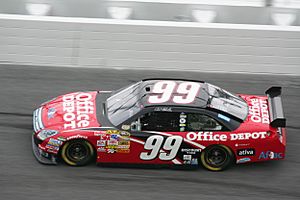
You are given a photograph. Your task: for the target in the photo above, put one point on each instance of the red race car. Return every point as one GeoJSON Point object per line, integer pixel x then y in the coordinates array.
{"type": "Point", "coordinates": [161, 122]}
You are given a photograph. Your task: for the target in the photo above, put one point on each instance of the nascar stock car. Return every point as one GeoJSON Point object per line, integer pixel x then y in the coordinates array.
{"type": "Point", "coordinates": [161, 122]}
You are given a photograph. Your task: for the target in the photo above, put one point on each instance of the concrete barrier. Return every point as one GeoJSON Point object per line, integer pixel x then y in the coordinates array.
{"type": "Point", "coordinates": [137, 44]}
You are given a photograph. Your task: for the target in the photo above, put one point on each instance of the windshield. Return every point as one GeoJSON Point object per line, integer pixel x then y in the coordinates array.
{"type": "Point", "coordinates": [227, 102]}
{"type": "Point", "coordinates": [123, 104]}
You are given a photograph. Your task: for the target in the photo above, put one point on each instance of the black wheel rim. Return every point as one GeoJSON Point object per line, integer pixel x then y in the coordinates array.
{"type": "Point", "coordinates": [216, 157]}
{"type": "Point", "coordinates": [77, 152]}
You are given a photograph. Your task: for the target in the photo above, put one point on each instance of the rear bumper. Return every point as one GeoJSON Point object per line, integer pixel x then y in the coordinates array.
{"type": "Point", "coordinates": [273, 148]}
{"type": "Point", "coordinates": [42, 156]}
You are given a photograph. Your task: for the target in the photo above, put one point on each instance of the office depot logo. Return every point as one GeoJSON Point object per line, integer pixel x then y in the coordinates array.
{"type": "Point", "coordinates": [211, 136]}
{"type": "Point", "coordinates": [258, 110]}
{"type": "Point", "coordinates": [77, 110]}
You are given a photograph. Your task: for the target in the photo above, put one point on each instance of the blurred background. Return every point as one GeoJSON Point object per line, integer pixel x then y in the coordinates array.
{"type": "Point", "coordinates": [257, 36]}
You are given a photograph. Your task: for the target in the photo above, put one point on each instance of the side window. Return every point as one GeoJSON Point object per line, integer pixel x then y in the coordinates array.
{"type": "Point", "coordinates": [201, 122]}
{"type": "Point", "coordinates": [175, 122]}
{"type": "Point", "coordinates": [160, 121]}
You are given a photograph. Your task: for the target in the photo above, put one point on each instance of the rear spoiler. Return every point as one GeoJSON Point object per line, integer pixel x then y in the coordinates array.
{"type": "Point", "coordinates": [275, 107]}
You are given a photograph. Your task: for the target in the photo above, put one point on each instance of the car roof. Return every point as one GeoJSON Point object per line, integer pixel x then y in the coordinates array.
{"type": "Point", "coordinates": [172, 79]}
{"type": "Point", "coordinates": [200, 101]}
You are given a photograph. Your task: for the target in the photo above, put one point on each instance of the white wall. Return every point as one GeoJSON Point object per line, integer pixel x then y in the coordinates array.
{"type": "Point", "coordinates": [227, 11]}
{"type": "Point", "coordinates": [83, 42]}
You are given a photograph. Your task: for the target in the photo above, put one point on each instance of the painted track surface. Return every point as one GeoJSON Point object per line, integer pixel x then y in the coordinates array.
{"type": "Point", "coordinates": [21, 177]}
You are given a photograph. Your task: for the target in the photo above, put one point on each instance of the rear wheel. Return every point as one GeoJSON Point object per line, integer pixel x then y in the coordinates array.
{"type": "Point", "coordinates": [217, 157]}
{"type": "Point", "coordinates": [77, 152]}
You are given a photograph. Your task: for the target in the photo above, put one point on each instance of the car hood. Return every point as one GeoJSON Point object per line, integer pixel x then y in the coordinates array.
{"type": "Point", "coordinates": [71, 111]}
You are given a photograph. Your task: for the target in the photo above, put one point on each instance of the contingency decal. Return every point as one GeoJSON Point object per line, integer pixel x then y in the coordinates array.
{"type": "Point", "coordinates": [243, 160]}
{"type": "Point", "coordinates": [113, 141]}
{"type": "Point", "coordinates": [246, 152]}
{"type": "Point", "coordinates": [53, 145]}
{"type": "Point", "coordinates": [125, 127]}
{"type": "Point", "coordinates": [182, 121]}
{"type": "Point", "coordinates": [265, 155]}
{"type": "Point", "coordinates": [179, 93]}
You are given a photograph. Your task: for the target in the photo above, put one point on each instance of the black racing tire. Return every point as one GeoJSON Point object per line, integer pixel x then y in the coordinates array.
{"type": "Point", "coordinates": [77, 152]}
{"type": "Point", "coordinates": [217, 157]}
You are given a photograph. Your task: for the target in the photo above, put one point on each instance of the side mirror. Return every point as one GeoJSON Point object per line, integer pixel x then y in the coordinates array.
{"type": "Point", "coordinates": [135, 126]}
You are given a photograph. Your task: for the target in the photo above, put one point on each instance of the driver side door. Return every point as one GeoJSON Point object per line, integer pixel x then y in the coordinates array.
{"type": "Point", "coordinates": [163, 136]}
{"type": "Point", "coordinates": [151, 139]}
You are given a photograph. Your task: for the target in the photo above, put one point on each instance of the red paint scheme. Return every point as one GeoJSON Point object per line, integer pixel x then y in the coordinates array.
{"type": "Point", "coordinates": [271, 142]}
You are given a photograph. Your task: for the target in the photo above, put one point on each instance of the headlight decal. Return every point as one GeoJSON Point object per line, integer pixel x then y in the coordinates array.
{"type": "Point", "coordinates": [44, 134]}
{"type": "Point", "coordinates": [37, 120]}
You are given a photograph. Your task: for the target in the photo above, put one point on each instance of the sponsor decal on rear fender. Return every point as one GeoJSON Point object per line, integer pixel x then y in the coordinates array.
{"type": "Point", "coordinates": [243, 160]}
{"type": "Point", "coordinates": [258, 110]}
{"type": "Point", "coordinates": [270, 155]}
{"type": "Point", "coordinates": [246, 152]}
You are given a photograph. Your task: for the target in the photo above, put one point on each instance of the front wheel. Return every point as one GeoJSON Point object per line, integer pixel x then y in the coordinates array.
{"type": "Point", "coordinates": [217, 157]}
{"type": "Point", "coordinates": [77, 152]}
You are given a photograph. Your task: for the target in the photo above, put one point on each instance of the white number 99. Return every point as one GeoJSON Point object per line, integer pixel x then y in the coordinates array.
{"type": "Point", "coordinates": [163, 90]}
{"type": "Point", "coordinates": [154, 144]}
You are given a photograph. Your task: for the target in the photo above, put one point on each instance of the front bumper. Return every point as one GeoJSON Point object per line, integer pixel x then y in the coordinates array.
{"type": "Point", "coordinates": [42, 156]}
{"type": "Point", "coordinates": [37, 120]}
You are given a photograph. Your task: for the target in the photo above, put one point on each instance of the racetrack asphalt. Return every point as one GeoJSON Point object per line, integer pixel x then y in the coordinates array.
{"type": "Point", "coordinates": [23, 88]}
